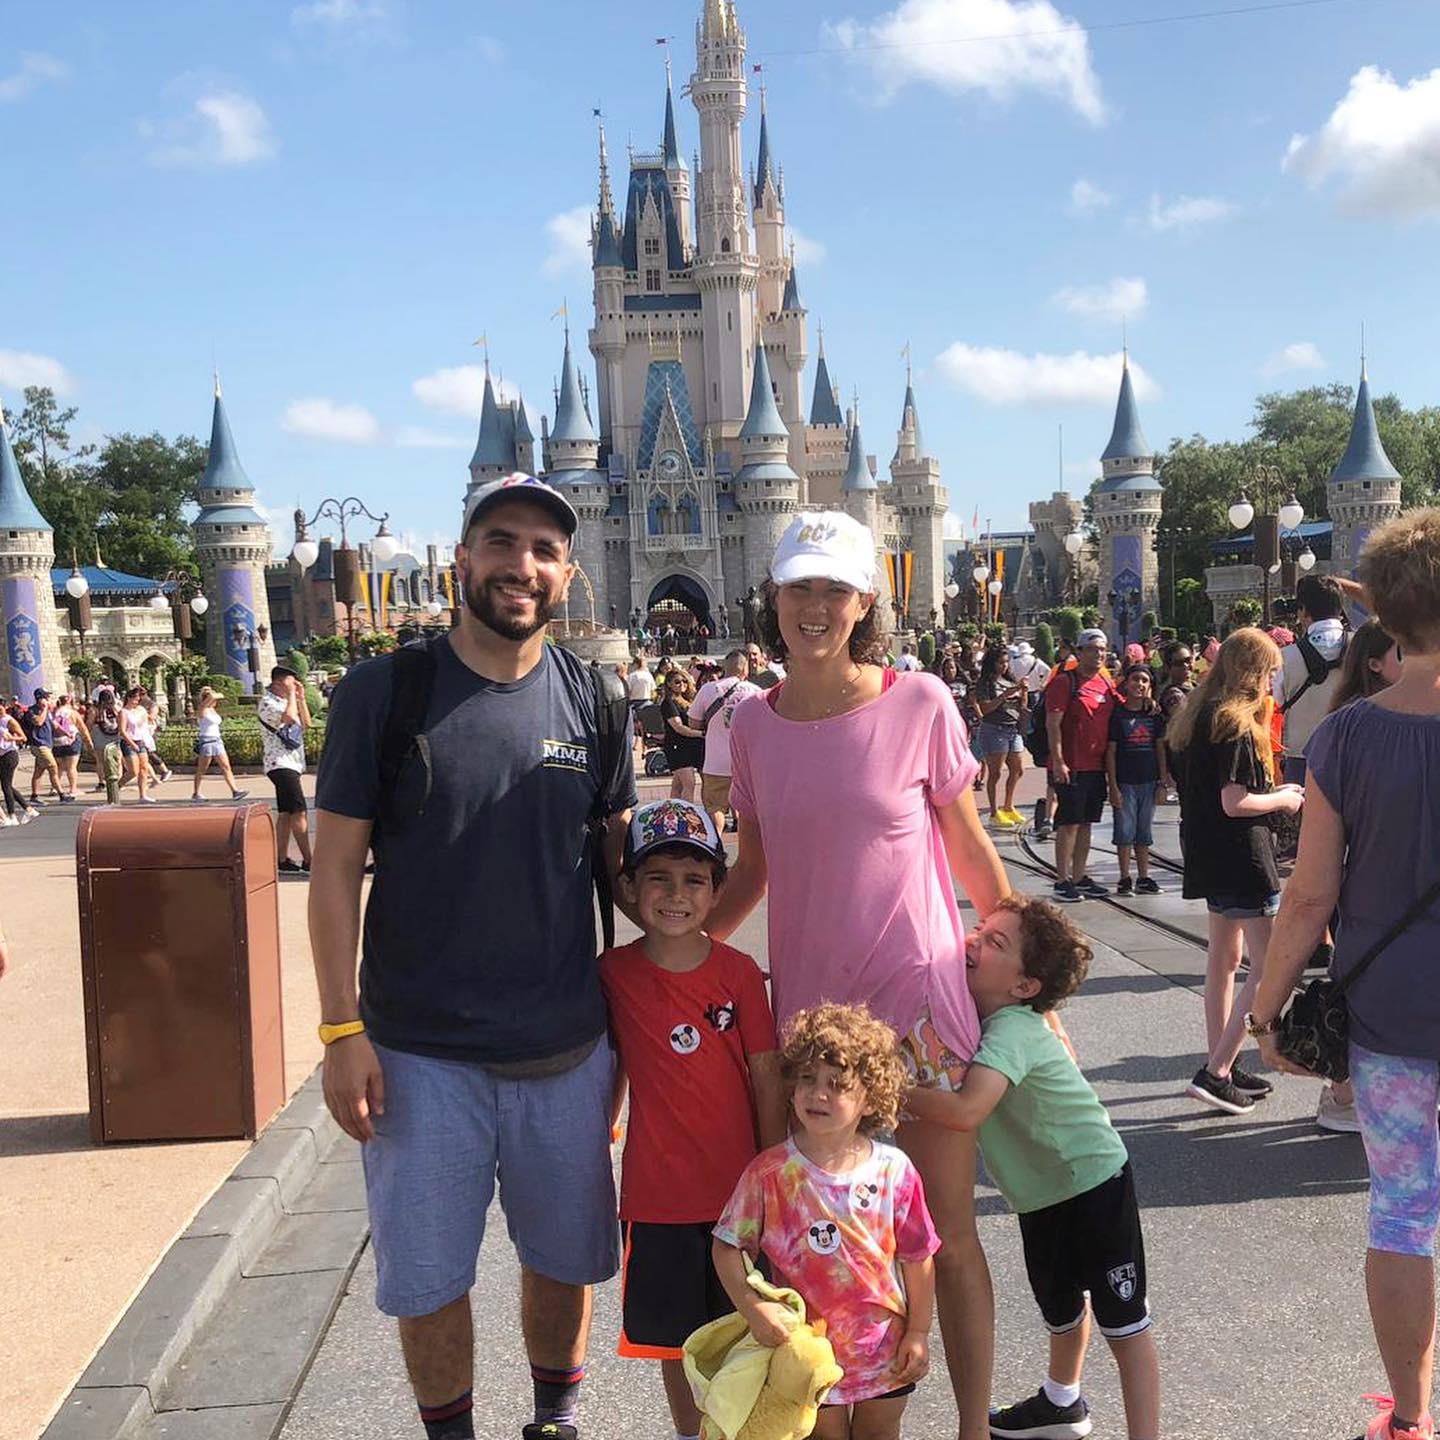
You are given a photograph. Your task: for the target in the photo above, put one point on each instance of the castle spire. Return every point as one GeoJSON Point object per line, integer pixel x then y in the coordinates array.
{"type": "Point", "coordinates": [824, 407]}
{"type": "Point", "coordinates": [1127, 439]}
{"type": "Point", "coordinates": [1364, 457]}
{"type": "Point", "coordinates": [763, 416]}
{"type": "Point", "coordinates": [17, 510]}
{"type": "Point", "coordinates": [223, 470]}
{"type": "Point", "coordinates": [910, 416]}
{"type": "Point", "coordinates": [857, 472]}
{"type": "Point", "coordinates": [764, 166]}
{"type": "Point", "coordinates": [494, 447]}
{"type": "Point", "coordinates": [671, 145]}
{"type": "Point", "coordinates": [572, 421]}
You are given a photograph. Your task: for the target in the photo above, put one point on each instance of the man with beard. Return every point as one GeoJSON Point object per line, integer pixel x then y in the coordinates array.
{"type": "Point", "coordinates": [476, 1044]}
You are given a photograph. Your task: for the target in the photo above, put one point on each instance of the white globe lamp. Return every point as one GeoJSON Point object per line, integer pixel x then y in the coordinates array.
{"type": "Point", "coordinates": [1292, 512]}
{"type": "Point", "coordinates": [384, 547]}
{"type": "Point", "coordinates": [995, 586]}
{"type": "Point", "coordinates": [1074, 542]}
{"type": "Point", "coordinates": [159, 602]}
{"type": "Point", "coordinates": [1306, 559]}
{"type": "Point", "coordinates": [981, 574]}
{"type": "Point", "coordinates": [199, 604]}
{"type": "Point", "coordinates": [433, 608]}
{"type": "Point", "coordinates": [77, 585]}
{"type": "Point", "coordinates": [951, 590]}
{"type": "Point", "coordinates": [1241, 513]}
{"type": "Point", "coordinates": [305, 553]}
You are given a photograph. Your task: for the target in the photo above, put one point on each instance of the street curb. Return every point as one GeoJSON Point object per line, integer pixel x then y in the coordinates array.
{"type": "Point", "coordinates": [118, 1390]}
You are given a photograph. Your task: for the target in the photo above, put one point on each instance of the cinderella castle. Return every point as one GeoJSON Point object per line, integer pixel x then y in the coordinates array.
{"type": "Point", "coordinates": [694, 449]}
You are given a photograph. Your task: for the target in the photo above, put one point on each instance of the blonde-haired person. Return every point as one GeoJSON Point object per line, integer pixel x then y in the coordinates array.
{"type": "Point", "coordinates": [1221, 747]}
{"type": "Point", "coordinates": [1370, 844]}
{"type": "Point", "coordinates": [210, 747]}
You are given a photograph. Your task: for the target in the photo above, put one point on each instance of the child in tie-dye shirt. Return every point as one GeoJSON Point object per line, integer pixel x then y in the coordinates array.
{"type": "Point", "coordinates": [841, 1219]}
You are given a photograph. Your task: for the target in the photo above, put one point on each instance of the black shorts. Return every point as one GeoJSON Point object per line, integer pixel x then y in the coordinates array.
{"type": "Point", "coordinates": [1089, 1244]}
{"type": "Point", "coordinates": [669, 1288]}
{"type": "Point", "coordinates": [289, 797]}
{"type": "Point", "coordinates": [1082, 801]}
{"type": "Point", "coordinates": [888, 1395]}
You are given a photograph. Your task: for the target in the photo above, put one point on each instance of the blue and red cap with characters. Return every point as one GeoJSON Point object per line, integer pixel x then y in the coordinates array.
{"type": "Point", "coordinates": [671, 822]}
{"type": "Point", "coordinates": [519, 486]}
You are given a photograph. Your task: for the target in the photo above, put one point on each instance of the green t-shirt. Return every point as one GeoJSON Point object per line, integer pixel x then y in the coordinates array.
{"type": "Point", "coordinates": [1050, 1139]}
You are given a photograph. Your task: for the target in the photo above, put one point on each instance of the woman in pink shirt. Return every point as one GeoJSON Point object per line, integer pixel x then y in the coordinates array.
{"type": "Point", "coordinates": [852, 788]}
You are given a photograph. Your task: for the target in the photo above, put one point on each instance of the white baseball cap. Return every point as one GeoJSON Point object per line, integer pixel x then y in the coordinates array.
{"type": "Point", "coordinates": [825, 545]}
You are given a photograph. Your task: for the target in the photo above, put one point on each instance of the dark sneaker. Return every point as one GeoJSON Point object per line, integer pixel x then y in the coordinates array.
{"type": "Point", "coordinates": [1146, 885]}
{"type": "Point", "coordinates": [1067, 893]}
{"type": "Point", "coordinates": [1091, 887]}
{"type": "Point", "coordinates": [289, 867]}
{"type": "Point", "coordinates": [550, 1430]}
{"type": "Point", "coordinates": [1219, 1094]}
{"type": "Point", "coordinates": [1250, 1084]}
{"type": "Point", "coordinates": [1040, 1418]}
{"type": "Point", "coordinates": [1126, 886]}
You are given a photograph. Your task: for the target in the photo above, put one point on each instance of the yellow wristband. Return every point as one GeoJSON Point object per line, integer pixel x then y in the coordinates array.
{"type": "Point", "coordinates": [329, 1034]}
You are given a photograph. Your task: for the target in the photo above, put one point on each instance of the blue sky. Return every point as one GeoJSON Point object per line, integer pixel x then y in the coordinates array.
{"type": "Point", "coordinates": [331, 200]}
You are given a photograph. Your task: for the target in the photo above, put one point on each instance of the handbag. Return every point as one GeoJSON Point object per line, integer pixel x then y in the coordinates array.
{"type": "Point", "coordinates": [290, 735]}
{"type": "Point", "coordinates": [1314, 1029]}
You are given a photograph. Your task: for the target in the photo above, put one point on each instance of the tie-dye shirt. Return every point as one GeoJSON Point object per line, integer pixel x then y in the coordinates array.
{"type": "Point", "coordinates": [838, 1239]}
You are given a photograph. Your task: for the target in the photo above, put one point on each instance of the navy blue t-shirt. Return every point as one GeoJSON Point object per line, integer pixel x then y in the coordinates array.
{"type": "Point", "coordinates": [479, 936]}
{"type": "Point", "coordinates": [1134, 734]}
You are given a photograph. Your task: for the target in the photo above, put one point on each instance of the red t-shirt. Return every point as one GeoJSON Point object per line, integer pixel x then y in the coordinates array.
{"type": "Point", "coordinates": [683, 1039]}
{"type": "Point", "coordinates": [1085, 730]}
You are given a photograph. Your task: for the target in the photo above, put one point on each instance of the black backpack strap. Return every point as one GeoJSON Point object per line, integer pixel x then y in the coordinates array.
{"type": "Point", "coordinates": [612, 731]}
{"type": "Point", "coordinates": [1317, 668]}
{"type": "Point", "coordinates": [412, 682]}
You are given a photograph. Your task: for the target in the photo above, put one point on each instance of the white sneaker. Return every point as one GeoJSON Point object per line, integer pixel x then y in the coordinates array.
{"type": "Point", "coordinates": [148, 800]}
{"type": "Point", "coordinates": [28, 816]}
{"type": "Point", "coordinates": [1330, 1114]}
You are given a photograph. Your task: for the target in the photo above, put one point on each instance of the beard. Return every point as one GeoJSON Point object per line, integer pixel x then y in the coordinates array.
{"type": "Point", "coordinates": [483, 603]}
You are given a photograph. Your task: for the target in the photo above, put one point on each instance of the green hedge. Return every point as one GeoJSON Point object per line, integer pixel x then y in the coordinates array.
{"type": "Point", "coordinates": [243, 742]}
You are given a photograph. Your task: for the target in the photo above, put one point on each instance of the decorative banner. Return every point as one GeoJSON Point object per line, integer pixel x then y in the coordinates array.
{"type": "Point", "coordinates": [22, 639]}
{"type": "Point", "coordinates": [1128, 575]}
{"type": "Point", "coordinates": [237, 618]}
{"type": "Point", "coordinates": [899, 566]}
{"type": "Point", "coordinates": [385, 580]}
{"type": "Point", "coordinates": [449, 574]}
{"type": "Point", "coordinates": [365, 595]}
{"type": "Point", "coordinates": [1000, 576]}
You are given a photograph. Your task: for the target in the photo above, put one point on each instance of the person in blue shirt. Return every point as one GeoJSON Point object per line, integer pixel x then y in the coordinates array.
{"type": "Point", "coordinates": [1138, 772]}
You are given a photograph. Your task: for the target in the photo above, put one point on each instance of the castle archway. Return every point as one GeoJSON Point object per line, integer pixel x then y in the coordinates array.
{"type": "Point", "coordinates": [681, 601]}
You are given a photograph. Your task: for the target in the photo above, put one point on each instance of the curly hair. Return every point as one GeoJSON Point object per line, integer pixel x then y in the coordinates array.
{"type": "Point", "coordinates": [1052, 950]}
{"type": "Point", "coordinates": [851, 1039]}
{"type": "Point", "coordinates": [867, 639]}
{"type": "Point", "coordinates": [1400, 567]}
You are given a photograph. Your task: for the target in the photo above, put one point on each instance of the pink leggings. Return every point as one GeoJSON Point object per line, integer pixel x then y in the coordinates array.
{"type": "Point", "coordinates": [1395, 1098]}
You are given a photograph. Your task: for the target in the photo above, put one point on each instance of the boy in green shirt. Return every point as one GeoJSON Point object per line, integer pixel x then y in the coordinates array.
{"type": "Point", "coordinates": [1051, 1150]}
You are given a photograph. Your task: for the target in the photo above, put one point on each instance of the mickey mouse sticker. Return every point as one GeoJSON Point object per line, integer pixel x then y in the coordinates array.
{"type": "Point", "coordinates": [824, 1237]}
{"type": "Point", "coordinates": [684, 1039]}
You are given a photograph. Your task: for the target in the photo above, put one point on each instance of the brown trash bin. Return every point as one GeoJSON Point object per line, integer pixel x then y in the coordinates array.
{"type": "Point", "coordinates": [180, 955]}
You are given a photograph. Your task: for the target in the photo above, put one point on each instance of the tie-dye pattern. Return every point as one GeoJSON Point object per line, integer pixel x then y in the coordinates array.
{"type": "Point", "coordinates": [1395, 1098]}
{"type": "Point", "coordinates": [838, 1239]}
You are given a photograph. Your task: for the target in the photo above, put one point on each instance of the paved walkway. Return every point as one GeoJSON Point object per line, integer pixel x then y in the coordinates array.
{"type": "Point", "coordinates": [1254, 1231]}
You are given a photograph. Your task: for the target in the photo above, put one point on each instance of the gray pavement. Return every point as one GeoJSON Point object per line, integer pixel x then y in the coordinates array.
{"type": "Point", "coordinates": [1254, 1232]}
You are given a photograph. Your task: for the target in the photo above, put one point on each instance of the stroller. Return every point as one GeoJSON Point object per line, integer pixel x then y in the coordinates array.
{"type": "Point", "coordinates": [652, 733]}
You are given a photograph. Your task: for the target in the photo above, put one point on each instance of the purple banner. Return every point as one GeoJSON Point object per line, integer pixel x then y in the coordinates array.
{"type": "Point", "coordinates": [237, 618]}
{"type": "Point", "coordinates": [22, 639]}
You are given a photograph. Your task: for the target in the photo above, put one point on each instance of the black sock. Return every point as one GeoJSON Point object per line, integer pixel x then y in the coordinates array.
{"type": "Point", "coordinates": [557, 1393]}
{"type": "Point", "coordinates": [1396, 1424]}
{"type": "Point", "coordinates": [452, 1421]}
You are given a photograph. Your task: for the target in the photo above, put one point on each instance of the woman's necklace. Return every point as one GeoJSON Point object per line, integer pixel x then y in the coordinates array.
{"type": "Point", "coordinates": [841, 701]}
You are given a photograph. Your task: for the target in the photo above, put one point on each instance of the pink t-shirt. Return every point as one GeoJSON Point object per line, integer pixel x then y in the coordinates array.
{"type": "Point", "coordinates": [862, 907]}
{"type": "Point", "coordinates": [731, 692]}
{"type": "Point", "coordinates": [837, 1239]}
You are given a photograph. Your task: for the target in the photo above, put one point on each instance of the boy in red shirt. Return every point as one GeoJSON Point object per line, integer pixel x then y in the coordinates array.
{"type": "Point", "coordinates": [695, 1039]}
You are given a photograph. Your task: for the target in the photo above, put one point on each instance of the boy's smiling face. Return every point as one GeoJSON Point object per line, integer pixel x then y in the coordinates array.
{"type": "Point", "coordinates": [674, 894]}
{"type": "Point", "coordinates": [993, 968]}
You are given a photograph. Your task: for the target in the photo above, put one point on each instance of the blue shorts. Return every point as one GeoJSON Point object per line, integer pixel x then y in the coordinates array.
{"type": "Point", "coordinates": [1134, 816]}
{"type": "Point", "coordinates": [449, 1126]}
{"type": "Point", "coordinates": [997, 740]}
{"type": "Point", "coordinates": [1244, 907]}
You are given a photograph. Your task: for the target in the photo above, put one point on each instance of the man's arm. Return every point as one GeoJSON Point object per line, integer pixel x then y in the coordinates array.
{"type": "Point", "coordinates": [353, 1082]}
{"type": "Point", "coordinates": [964, 1109]}
{"type": "Point", "coordinates": [297, 688]}
{"type": "Point", "coordinates": [1058, 768]}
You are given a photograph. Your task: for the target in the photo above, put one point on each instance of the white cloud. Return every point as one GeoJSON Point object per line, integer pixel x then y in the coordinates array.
{"type": "Point", "coordinates": [341, 14]}
{"type": "Point", "coordinates": [460, 389]}
{"type": "Point", "coordinates": [416, 437]}
{"type": "Point", "coordinates": [223, 127]}
{"type": "Point", "coordinates": [1120, 299]}
{"type": "Point", "coordinates": [569, 234]}
{"type": "Point", "coordinates": [490, 50]}
{"type": "Point", "coordinates": [331, 420]}
{"type": "Point", "coordinates": [35, 69]}
{"type": "Point", "coordinates": [1187, 211]}
{"type": "Point", "coordinates": [19, 368]}
{"type": "Point", "coordinates": [1302, 355]}
{"type": "Point", "coordinates": [1007, 377]}
{"type": "Point", "coordinates": [997, 47]}
{"type": "Point", "coordinates": [1086, 199]}
{"type": "Point", "coordinates": [1381, 145]}
{"type": "Point", "coordinates": [807, 251]}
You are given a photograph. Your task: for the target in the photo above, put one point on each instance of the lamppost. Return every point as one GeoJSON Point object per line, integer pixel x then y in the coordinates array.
{"type": "Point", "coordinates": [1171, 537]}
{"type": "Point", "coordinates": [1125, 604]}
{"type": "Point", "coordinates": [250, 642]}
{"type": "Point", "coordinates": [952, 591]}
{"type": "Point", "coordinates": [980, 574]}
{"type": "Point", "coordinates": [1074, 544]}
{"type": "Point", "coordinates": [995, 587]}
{"type": "Point", "coordinates": [185, 598]}
{"type": "Point", "coordinates": [77, 602]}
{"type": "Point", "coordinates": [1274, 518]}
{"type": "Point", "coordinates": [306, 552]}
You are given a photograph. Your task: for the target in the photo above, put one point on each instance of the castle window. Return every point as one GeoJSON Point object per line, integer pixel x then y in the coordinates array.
{"type": "Point", "coordinates": [1364, 484]}
{"type": "Point", "coordinates": [725, 247]}
{"type": "Point", "coordinates": [652, 244]}
{"type": "Point", "coordinates": [652, 281]}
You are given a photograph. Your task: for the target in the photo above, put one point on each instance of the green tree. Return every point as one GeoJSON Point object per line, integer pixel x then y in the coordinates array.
{"type": "Point", "coordinates": [1192, 609]}
{"type": "Point", "coordinates": [326, 651]}
{"type": "Point", "coordinates": [1068, 620]}
{"type": "Point", "coordinates": [86, 670]}
{"type": "Point", "coordinates": [1245, 612]}
{"type": "Point", "coordinates": [925, 650]}
{"type": "Point", "coordinates": [149, 483]}
{"type": "Point", "coordinates": [297, 660]}
{"type": "Point", "coordinates": [1045, 642]}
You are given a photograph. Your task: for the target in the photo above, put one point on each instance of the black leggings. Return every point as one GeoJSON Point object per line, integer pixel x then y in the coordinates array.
{"type": "Point", "coordinates": [9, 762]}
